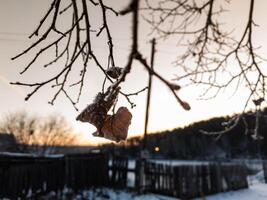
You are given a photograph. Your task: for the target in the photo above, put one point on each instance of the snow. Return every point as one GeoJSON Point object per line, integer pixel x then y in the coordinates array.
{"type": "Point", "coordinates": [130, 179]}
{"type": "Point", "coordinates": [108, 194]}
{"type": "Point", "coordinates": [255, 192]}
{"type": "Point", "coordinates": [255, 179]}
{"type": "Point", "coordinates": [179, 162]}
{"type": "Point", "coordinates": [254, 163]}
{"type": "Point", "coordinates": [121, 195]}
{"type": "Point", "coordinates": [11, 154]}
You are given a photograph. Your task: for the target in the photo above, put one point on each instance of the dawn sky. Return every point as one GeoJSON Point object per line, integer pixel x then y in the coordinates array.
{"type": "Point", "coordinates": [18, 18]}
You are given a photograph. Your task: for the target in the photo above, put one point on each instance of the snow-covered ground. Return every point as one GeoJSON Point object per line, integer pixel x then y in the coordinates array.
{"type": "Point", "coordinates": [109, 194]}
{"type": "Point", "coordinates": [255, 192]}
{"type": "Point", "coordinates": [255, 179]}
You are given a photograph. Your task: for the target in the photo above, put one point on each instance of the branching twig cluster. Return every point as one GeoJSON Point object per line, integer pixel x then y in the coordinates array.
{"type": "Point", "coordinates": [77, 40]}
{"type": "Point", "coordinates": [213, 57]}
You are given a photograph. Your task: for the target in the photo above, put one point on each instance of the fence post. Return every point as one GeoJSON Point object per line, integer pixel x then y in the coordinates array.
{"type": "Point", "coordinates": [140, 175]}
{"type": "Point", "coordinates": [264, 166]}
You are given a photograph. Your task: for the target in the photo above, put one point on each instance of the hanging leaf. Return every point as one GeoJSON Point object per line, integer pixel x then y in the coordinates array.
{"type": "Point", "coordinates": [96, 112]}
{"type": "Point", "coordinates": [116, 126]}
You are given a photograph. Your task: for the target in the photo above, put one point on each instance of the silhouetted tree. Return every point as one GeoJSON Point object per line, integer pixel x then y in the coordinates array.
{"type": "Point", "coordinates": [38, 134]}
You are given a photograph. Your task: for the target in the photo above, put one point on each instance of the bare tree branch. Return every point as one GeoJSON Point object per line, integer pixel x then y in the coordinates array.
{"type": "Point", "coordinates": [209, 49]}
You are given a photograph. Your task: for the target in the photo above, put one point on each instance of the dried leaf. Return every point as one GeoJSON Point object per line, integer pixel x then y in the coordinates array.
{"type": "Point", "coordinates": [96, 113]}
{"type": "Point", "coordinates": [116, 126]}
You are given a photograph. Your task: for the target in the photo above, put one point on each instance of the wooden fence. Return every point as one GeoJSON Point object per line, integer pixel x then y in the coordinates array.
{"type": "Point", "coordinates": [189, 181]}
{"type": "Point", "coordinates": [86, 171]}
{"type": "Point", "coordinates": [20, 175]}
{"type": "Point", "coordinates": [118, 172]}
{"type": "Point", "coordinates": [185, 181]}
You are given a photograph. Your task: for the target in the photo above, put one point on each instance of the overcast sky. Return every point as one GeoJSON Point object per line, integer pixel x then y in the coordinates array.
{"type": "Point", "coordinates": [18, 18]}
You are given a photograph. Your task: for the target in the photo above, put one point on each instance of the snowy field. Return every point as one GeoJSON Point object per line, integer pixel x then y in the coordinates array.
{"type": "Point", "coordinates": [255, 192]}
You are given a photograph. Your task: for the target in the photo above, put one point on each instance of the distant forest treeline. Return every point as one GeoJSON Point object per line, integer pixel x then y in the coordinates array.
{"type": "Point", "coordinates": [190, 143]}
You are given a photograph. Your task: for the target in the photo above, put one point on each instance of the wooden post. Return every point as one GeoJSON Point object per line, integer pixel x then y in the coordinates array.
{"type": "Point", "coordinates": [264, 164]}
{"type": "Point", "coordinates": [143, 155]}
{"type": "Point", "coordinates": [149, 93]}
